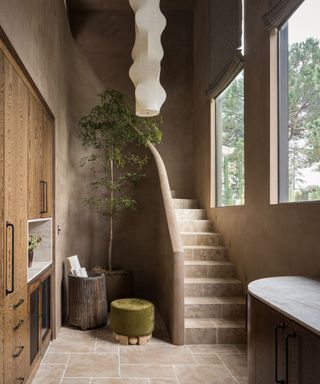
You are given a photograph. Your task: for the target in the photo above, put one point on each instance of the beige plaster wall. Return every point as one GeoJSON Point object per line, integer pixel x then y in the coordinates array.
{"type": "Point", "coordinates": [263, 239]}
{"type": "Point", "coordinates": [39, 32]}
{"type": "Point", "coordinates": [107, 39]}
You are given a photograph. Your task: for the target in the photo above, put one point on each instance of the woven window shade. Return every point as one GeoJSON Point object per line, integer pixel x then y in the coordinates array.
{"type": "Point", "coordinates": [225, 40]}
{"type": "Point", "coordinates": [280, 13]}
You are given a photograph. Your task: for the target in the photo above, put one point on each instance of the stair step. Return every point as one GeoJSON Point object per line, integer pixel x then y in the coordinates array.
{"type": "Point", "coordinates": [201, 238]}
{"type": "Point", "coordinates": [208, 269]}
{"type": "Point", "coordinates": [204, 286]}
{"type": "Point", "coordinates": [189, 225]}
{"type": "Point", "coordinates": [174, 194]}
{"type": "Point", "coordinates": [189, 213]}
{"type": "Point", "coordinates": [205, 252]}
{"type": "Point", "coordinates": [215, 307]}
{"type": "Point", "coordinates": [215, 331]}
{"type": "Point", "coordinates": [185, 203]}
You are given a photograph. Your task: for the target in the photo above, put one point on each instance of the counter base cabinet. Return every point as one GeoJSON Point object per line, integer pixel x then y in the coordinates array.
{"type": "Point", "coordinates": [279, 349]}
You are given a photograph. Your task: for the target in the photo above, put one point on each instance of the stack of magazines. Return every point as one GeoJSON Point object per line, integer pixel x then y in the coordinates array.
{"type": "Point", "coordinates": [75, 267]}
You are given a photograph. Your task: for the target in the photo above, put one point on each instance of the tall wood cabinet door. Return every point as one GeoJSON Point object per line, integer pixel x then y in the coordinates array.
{"type": "Point", "coordinates": [35, 190]}
{"type": "Point", "coordinates": [265, 332]}
{"type": "Point", "coordinates": [2, 167]}
{"type": "Point", "coordinates": [16, 105]}
{"type": "Point", "coordinates": [47, 167]}
{"type": "Point", "coordinates": [303, 350]}
{"type": "Point", "coordinates": [1, 344]}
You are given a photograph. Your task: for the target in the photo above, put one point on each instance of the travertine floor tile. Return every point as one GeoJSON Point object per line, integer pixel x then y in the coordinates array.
{"type": "Point", "coordinates": [156, 354]}
{"type": "Point", "coordinates": [149, 371]}
{"type": "Point", "coordinates": [120, 381]}
{"type": "Point", "coordinates": [163, 381]}
{"type": "Point", "coordinates": [76, 380]}
{"type": "Point", "coordinates": [207, 358]}
{"type": "Point", "coordinates": [56, 358]}
{"type": "Point", "coordinates": [49, 374]}
{"type": "Point", "coordinates": [216, 348]}
{"type": "Point", "coordinates": [236, 363]}
{"type": "Point", "coordinates": [93, 365]}
{"type": "Point", "coordinates": [203, 374]}
{"type": "Point", "coordinates": [70, 345]}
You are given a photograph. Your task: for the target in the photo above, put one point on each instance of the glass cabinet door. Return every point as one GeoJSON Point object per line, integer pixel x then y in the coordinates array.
{"type": "Point", "coordinates": [45, 306]}
{"type": "Point", "coordinates": [34, 324]}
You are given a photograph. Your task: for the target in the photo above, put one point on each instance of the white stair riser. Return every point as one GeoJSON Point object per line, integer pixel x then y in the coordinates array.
{"type": "Point", "coordinates": [225, 311]}
{"type": "Point", "coordinates": [195, 225]}
{"type": "Point", "coordinates": [185, 203]}
{"type": "Point", "coordinates": [209, 270]}
{"type": "Point", "coordinates": [205, 254]}
{"type": "Point", "coordinates": [191, 214]}
{"type": "Point", "coordinates": [197, 239]}
{"type": "Point", "coordinates": [220, 289]}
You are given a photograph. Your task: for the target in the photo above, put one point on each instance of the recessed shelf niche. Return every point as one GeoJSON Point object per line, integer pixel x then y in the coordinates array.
{"type": "Point", "coordinates": [42, 256]}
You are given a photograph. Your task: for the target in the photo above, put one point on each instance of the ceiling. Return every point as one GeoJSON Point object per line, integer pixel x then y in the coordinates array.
{"type": "Point", "coordinates": [123, 5]}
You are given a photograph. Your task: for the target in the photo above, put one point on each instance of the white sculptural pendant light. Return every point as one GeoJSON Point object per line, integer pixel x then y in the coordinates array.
{"type": "Point", "coordinates": [147, 54]}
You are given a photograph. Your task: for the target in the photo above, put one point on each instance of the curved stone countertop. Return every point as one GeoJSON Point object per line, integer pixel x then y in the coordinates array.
{"type": "Point", "coordinates": [297, 298]}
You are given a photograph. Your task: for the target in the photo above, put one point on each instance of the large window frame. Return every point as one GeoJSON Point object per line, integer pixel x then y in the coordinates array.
{"type": "Point", "coordinates": [216, 150]}
{"type": "Point", "coordinates": [279, 116]}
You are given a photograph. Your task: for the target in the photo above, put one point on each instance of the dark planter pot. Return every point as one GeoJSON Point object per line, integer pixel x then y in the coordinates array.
{"type": "Point", "coordinates": [30, 257]}
{"type": "Point", "coordinates": [119, 284]}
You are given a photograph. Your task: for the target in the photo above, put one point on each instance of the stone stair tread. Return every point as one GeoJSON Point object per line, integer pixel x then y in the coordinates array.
{"type": "Point", "coordinates": [214, 300]}
{"type": "Point", "coordinates": [196, 220]}
{"type": "Point", "coordinates": [207, 262]}
{"type": "Point", "coordinates": [199, 233]}
{"type": "Point", "coordinates": [204, 246]}
{"type": "Point", "coordinates": [212, 280]}
{"type": "Point", "coordinates": [190, 209]}
{"type": "Point", "coordinates": [214, 323]}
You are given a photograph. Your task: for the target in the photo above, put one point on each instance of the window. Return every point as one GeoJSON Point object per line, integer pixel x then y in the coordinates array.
{"type": "Point", "coordinates": [299, 105]}
{"type": "Point", "coordinates": [229, 144]}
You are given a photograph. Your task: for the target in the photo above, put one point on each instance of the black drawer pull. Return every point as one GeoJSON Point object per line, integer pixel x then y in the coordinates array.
{"type": "Point", "coordinates": [17, 305]}
{"type": "Point", "coordinates": [16, 327]}
{"type": "Point", "coordinates": [15, 355]}
{"type": "Point", "coordinates": [280, 381]}
{"type": "Point", "coordinates": [293, 335]}
{"type": "Point", "coordinates": [9, 225]}
{"type": "Point", "coordinates": [20, 379]}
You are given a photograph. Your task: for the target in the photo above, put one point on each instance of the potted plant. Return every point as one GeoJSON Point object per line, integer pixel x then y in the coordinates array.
{"type": "Point", "coordinates": [115, 135]}
{"type": "Point", "coordinates": [34, 243]}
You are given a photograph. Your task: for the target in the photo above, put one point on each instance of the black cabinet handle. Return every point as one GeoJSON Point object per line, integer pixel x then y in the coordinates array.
{"type": "Point", "coordinates": [277, 328]}
{"type": "Point", "coordinates": [10, 225]}
{"type": "Point", "coordinates": [291, 335]}
{"type": "Point", "coordinates": [20, 379]}
{"type": "Point", "coordinates": [18, 325]}
{"type": "Point", "coordinates": [44, 196]}
{"type": "Point", "coordinates": [17, 305]}
{"type": "Point", "coordinates": [15, 355]}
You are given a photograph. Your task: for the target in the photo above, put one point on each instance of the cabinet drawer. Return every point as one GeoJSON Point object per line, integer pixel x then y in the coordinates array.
{"type": "Point", "coordinates": [15, 338]}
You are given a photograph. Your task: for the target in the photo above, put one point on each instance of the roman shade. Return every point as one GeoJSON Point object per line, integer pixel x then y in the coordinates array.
{"type": "Point", "coordinates": [226, 60]}
{"type": "Point", "coordinates": [280, 12]}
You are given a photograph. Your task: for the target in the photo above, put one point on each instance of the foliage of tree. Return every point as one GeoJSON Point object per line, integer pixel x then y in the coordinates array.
{"type": "Point", "coordinates": [304, 116]}
{"type": "Point", "coordinates": [232, 109]}
{"type": "Point", "coordinates": [115, 135]}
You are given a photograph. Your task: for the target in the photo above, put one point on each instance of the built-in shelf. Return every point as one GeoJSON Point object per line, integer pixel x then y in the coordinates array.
{"type": "Point", "coordinates": [42, 257]}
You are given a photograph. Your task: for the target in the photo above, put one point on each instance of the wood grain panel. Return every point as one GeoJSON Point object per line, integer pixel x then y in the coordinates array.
{"type": "Point", "coordinates": [1, 176]}
{"type": "Point", "coordinates": [15, 337]}
{"type": "Point", "coordinates": [47, 161]}
{"type": "Point", "coordinates": [16, 104]}
{"type": "Point", "coordinates": [1, 343]}
{"type": "Point", "coordinates": [35, 127]}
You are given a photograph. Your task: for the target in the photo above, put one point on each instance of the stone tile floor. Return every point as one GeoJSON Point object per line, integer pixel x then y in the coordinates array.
{"type": "Point", "coordinates": [92, 357]}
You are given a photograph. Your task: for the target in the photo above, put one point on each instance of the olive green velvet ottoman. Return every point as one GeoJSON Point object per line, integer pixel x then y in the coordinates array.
{"type": "Point", "coordinates": [132, 320]}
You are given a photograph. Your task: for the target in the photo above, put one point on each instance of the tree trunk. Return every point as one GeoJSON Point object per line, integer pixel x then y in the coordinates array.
{"type": "Point", "coordinates": [111, 219]}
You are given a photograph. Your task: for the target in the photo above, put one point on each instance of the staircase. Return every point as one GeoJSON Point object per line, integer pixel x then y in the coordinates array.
{"type": "Point", "coordinates": [215, 307]}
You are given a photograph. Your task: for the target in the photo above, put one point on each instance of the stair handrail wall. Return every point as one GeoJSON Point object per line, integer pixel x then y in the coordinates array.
{"type": "Point", "coordinates": [171, 259]}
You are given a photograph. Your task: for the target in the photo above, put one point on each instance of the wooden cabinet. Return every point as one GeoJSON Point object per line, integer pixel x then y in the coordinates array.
{"type": "Point", "coordinates": [40, 318]}
{"type": "Point", "coordinates": [15, 339]}
{"type": "Point", "coordinates": [14, 195]}
{"type": "Point", "coordinates": [40, 179]}
{"type": "Point", "coordinates": [279, 349]}
{"type": "Point", "coordinates": [26, 191]}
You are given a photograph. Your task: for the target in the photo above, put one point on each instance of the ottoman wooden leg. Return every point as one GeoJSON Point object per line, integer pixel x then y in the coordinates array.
{"type": "Point", "coordinates": [124, 340]}
{"type": "Point", "coordinates": [144, 339]}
